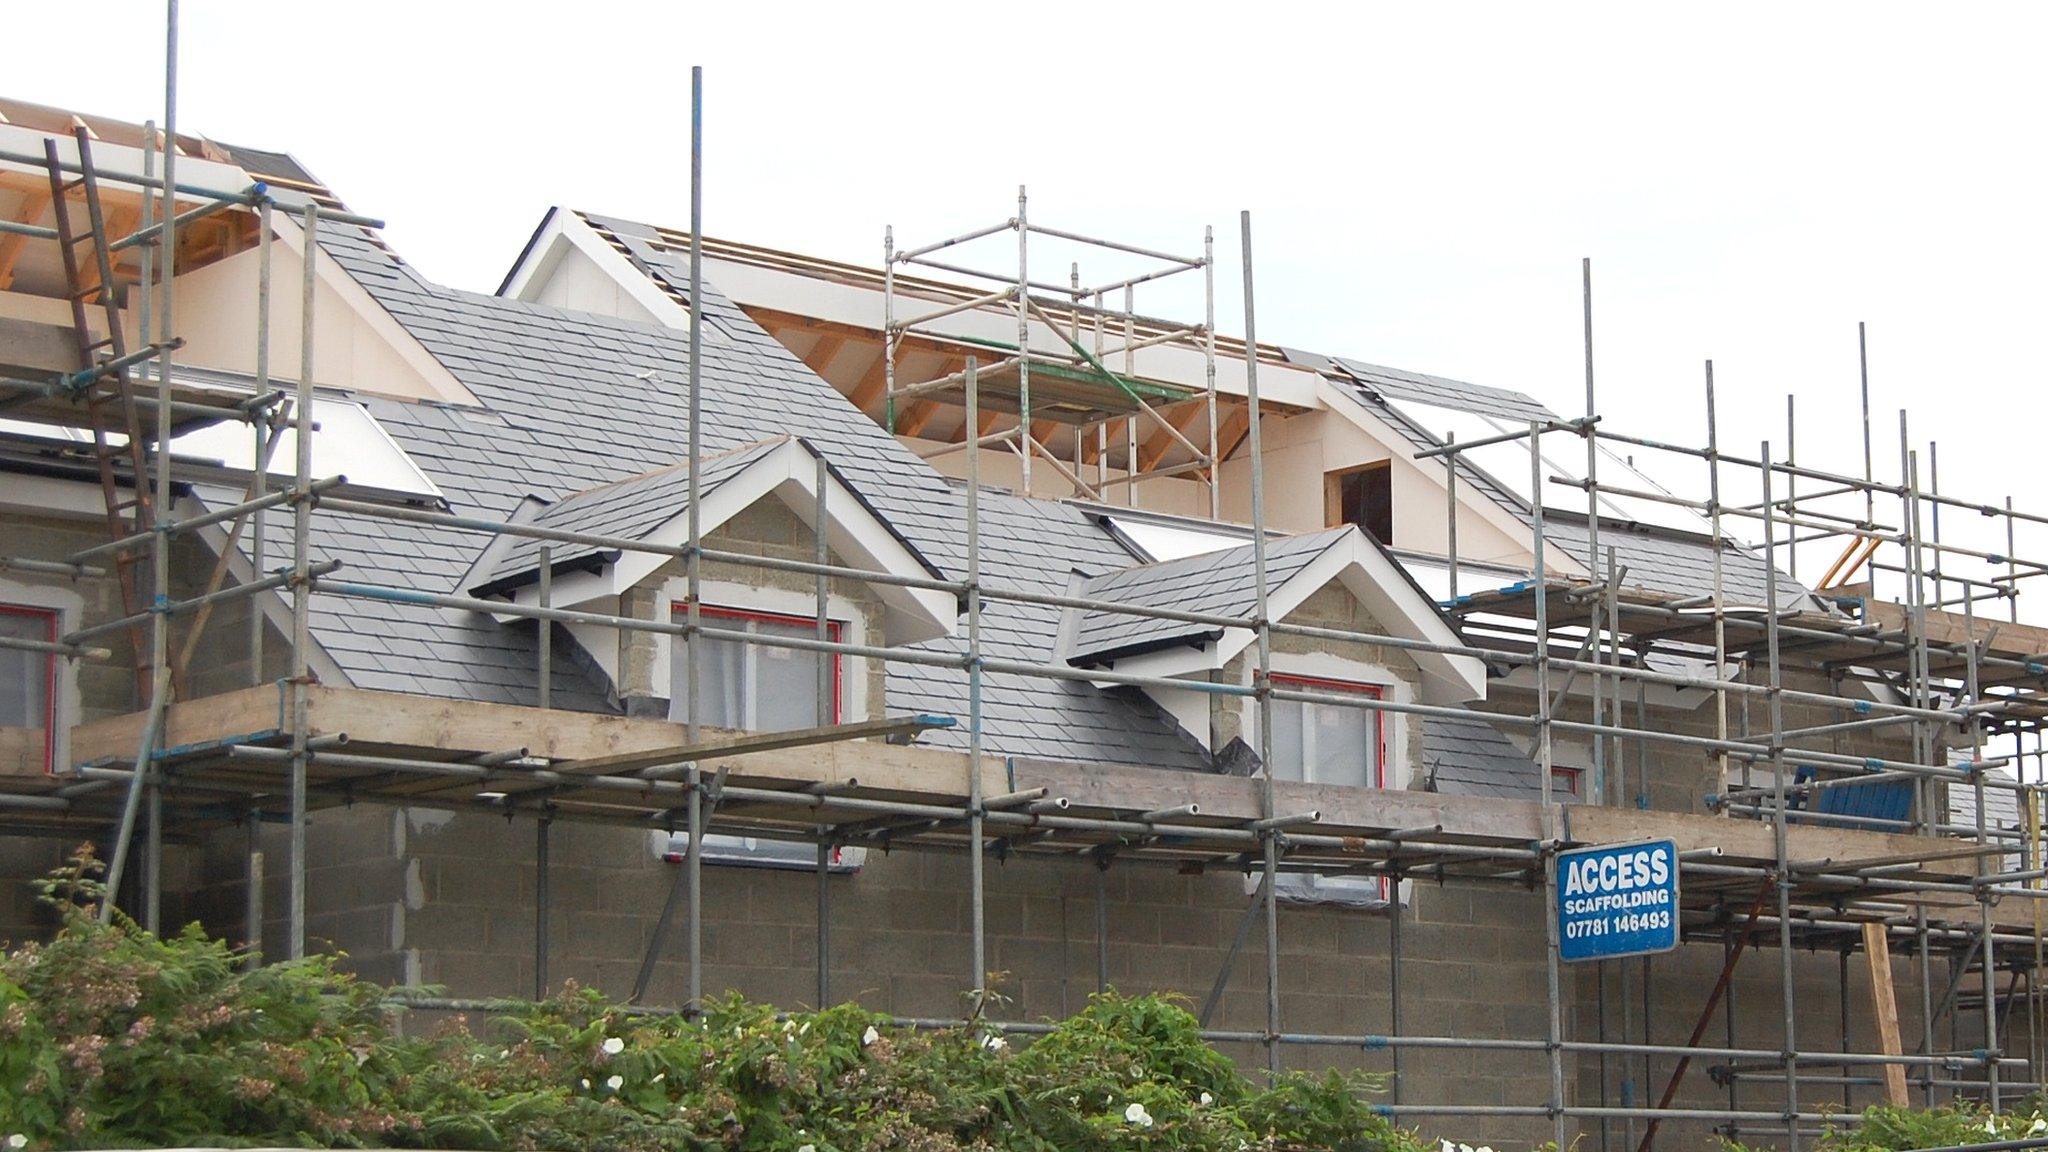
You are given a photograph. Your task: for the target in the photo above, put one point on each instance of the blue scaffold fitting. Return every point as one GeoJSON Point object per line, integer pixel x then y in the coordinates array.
{"type": "Point", "coordinates": [1862, 708]}
{"type": "Point", "coordinates": [1375, 1043]}
{"type": "Point", "coordinates": [1874, 764]}
{"type": "Point", "coordinates": [2036, 669]}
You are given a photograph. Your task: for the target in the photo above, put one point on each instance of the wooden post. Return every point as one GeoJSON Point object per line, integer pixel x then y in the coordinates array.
{"type": "Point", "coordinates": [1878, 952]}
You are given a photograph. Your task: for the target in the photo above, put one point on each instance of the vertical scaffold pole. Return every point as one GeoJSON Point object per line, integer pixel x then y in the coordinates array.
{"type": "Point", "coordinates": [1869, 472]}
{"type": "Point", "coordinates": [889, 330]}
{"type": "Point", "coordinates": [693, 564]}
{"type": "Point", "coordinates": [828, 713]}
{"type": "Point", "coordinates": [265, 429]}
{"type": "Point", "coordinates": [1451, 510]}
{"type": "Point", "coordinates": [974, 735]}
{"type": "Point", "coordinates": [1262, 685]}
{"type": "Point", "coordinates": [1209, 366]}
{"type": "Point", "coordinates": [302, 589]}
{"type": "Point", "coordinates": [160, 671]}
{"type": "Point", "coordinates": [541, 901]}
{"type": "Point", "coordinates": [160, 587]}
{"type": "Point", "coordinates": [1553, 979]}
{"type": "Point", "coordinates": [1720, 600]}
{"type": "Point", "coordinates": [1024, 437]}
{"type": "Point", "coordinates": [1779, 833]}
{"type": "Point", "coordinates": [1599, 782]}
{"type": "Point", "coordinates": [1986, 863]}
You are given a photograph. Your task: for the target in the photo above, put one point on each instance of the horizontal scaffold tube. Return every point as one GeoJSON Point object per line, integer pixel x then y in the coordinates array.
{"type": "Point", "coordinates": [1093, 675]}
{"type": "Point", "coordinates": [1055, 600]}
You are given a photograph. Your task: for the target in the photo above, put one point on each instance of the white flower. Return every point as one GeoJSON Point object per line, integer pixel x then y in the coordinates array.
{"type": "Point", "coordinates": [613, 1045]}
{"type": "Point", "coordinates": [2037, 1127]}
{"type": "Point", "coordinates": [870, 1036]}
{"type": "Point", "coordinates": [586, 1082]}
{"type": "Point", "coordinates": [658, 1077]}
{"type": "Point", "coordinates": [615, 1083]}
{"type": "Point", "coordinates": [1136, 1114]}
{"type": "Point", "coordinates": [504, 1052]}
{"type": "Point", "coordinates": [807, 1148]}
{"type": "Point", "coordinates": [1205, 1100]}
{"type": "Point", "coordinates": [17, 1141]}
{"type": "Point", "coordinates": [994, 1043]}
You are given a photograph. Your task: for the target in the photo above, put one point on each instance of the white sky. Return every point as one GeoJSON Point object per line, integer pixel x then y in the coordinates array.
{"type": "Point", "coordinates": [1750, 180]}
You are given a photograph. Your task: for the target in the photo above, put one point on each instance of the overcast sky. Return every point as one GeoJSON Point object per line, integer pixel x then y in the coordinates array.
{"type": "Point", "coordinates": [1750, 181]}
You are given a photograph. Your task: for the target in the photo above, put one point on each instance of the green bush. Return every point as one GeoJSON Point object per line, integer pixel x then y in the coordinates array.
{"type": "Point", "coordinates": [1888, 1129]}
{"type": "Point", "coordinates": [113, 1037]}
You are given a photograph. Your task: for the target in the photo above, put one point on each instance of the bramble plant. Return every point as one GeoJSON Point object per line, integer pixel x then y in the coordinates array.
{"type": "Point", "coordinates": [113, 1037]}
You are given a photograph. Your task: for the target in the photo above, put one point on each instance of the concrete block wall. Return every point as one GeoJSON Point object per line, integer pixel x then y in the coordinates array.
{"type": "Point", "coordinates": [1680, 777]}
{"type": "Point", "coordinates": [430, 898]}
{"type": "Point", "coordinates": [427, 897]}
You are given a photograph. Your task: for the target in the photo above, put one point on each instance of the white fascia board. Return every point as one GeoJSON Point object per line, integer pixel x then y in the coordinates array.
{"type": "Point", "coordinates": [397, 336]}
{"type": "Point", "coordinates": [566, 231]}
{"type": "Point", "coordinates": [1398, 445]}
{"type": "Point", "coordinates": [1655, 695]}
{"type": "Point", "coordinates": [568, 590]}
{"type": "Point", "coordinates": [47, 495]}
{"type": "Point", "coordinates": [1370, 576]}
{"type": "Point", "coordinates": [121, 159]}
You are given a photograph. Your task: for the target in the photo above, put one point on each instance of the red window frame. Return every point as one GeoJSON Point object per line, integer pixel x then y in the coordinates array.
{"type": "Point", "coordinates": [679, 610]}
{"type": "Point", "coordinates": [1569, 777]}
{"type": "Point", "coordinates": [1373, 691]}
{"type": "Point", "coordinates": [49, 616]}
{"type": "Point", "coordinates": [1388, 895]}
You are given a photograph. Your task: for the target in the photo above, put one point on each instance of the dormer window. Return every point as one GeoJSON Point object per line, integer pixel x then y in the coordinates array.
{"type": "Point", "coordinates": [753, 687]}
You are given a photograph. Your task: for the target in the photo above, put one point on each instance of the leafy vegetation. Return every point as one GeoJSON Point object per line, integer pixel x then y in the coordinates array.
{"type": "Point", "coordinates": [113, 1037]}
{"type": "Point", "coordinates": [1887, 1129]}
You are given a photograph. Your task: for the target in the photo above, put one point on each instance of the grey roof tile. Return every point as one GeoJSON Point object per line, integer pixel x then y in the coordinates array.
{"type": "Point", "coordinates": [1214, 583]}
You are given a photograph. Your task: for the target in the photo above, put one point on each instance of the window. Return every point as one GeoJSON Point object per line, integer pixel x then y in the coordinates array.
{"type": "Point", "coordinates": [1328, 743]}
{"type": "Point", "coordinates": [1564, 781]}
{"type": "Point", "coordinates": [756, 688]}
{"type": "Point", "coordinates": [28, 692]}
{"type": "Point", "coordinates": [1365, 497]}
{"type": "Point", "coordinates": [753, 687]}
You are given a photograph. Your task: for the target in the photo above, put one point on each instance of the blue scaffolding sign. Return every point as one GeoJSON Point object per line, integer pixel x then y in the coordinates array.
{"type": "Point", "coordinates": [1617, 900]}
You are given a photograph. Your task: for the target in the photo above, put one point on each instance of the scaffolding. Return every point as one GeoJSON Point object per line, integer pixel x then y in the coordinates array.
{"type": "Point", "coordinates": [1951, 695]}
{"type": "Point", "coordinates": [1076, 386]}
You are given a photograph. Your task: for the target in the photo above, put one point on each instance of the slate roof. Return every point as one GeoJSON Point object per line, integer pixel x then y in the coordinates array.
{"type": "Point", "coordinates": [1470, 757]}
{"type": "Point", "coordinates": [575, 401]}
{"type": "Point", "coordinates": [1220, 583]}
{"type": "Point", "coordinates": [631, 508]}
{"type": "Point", "coordinates": [1440, 390]}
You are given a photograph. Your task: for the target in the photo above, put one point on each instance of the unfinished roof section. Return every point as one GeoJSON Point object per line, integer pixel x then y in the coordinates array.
{"type": "Point", "coordinates": [1664, 555]}
{"type": "Point", "coordinates": [1395, 383]}
{"type": "Point", "coordinates": [1223, 584]}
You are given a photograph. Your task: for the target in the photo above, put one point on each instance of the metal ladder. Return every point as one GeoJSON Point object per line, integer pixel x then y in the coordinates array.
{"type": "Point", "coordinates": [103, 382]}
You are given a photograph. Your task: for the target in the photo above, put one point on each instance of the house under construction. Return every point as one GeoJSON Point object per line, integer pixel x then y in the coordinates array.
{"type": "Point", "coordinates": [955, 635]}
